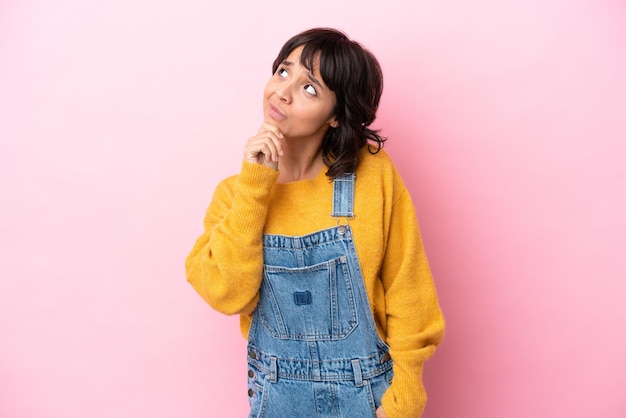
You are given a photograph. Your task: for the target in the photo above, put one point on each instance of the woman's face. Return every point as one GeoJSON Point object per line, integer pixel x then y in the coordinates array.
{"type": "Point", "coordinates": [297, 100]}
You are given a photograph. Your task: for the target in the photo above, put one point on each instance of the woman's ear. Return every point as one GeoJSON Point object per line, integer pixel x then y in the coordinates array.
{"type": "Point", "coordinates": [334, 122]}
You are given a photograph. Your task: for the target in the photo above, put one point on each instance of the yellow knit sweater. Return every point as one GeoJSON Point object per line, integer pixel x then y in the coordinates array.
{"type": "Point", "coordinates": [225, 265]}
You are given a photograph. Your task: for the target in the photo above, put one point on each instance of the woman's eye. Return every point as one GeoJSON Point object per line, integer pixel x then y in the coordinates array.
{"type": "Point", "coordinates": [282, 72]}
{"type": "Point", "coordinates": [310, 89]}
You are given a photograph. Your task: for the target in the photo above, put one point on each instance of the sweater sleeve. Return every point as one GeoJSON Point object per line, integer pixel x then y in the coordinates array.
{"type": "Point", "coordinates": [226, 262]}
{"type": "Point", "coordinates": [415, 323]}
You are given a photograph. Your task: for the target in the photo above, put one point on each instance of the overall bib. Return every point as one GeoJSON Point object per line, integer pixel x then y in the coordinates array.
{"type": "Point", "coordinates": [313, 347]}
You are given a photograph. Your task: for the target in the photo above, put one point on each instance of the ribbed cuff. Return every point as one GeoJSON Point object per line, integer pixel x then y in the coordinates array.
{"type": "Point", "coordinates": [406, 397]}
{"type": "Point", "coordinates": [253, 187]}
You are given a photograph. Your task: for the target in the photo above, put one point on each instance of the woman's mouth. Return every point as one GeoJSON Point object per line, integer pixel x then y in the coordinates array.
{"type": "Point", "coordinates": [275, 113]}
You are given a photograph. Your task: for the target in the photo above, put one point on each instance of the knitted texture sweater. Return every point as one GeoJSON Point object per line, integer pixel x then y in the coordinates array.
{"type": "Point", "coordinates": [225, 265]}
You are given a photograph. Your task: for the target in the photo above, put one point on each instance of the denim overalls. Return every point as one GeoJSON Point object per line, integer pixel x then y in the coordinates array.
{"type": "Point", "coordinates": [313, 347]}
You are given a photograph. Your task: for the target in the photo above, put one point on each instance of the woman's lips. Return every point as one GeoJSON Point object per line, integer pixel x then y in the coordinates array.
{"type": "Point", "coordinates": [275, 113]}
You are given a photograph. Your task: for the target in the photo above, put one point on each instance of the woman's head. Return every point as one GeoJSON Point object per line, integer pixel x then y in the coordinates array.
{"type": "Point", "coordinates": [354, 75]}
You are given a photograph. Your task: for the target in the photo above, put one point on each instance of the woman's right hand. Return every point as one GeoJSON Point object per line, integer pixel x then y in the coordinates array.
{"type": "Point", "coordinates": [265, 147]}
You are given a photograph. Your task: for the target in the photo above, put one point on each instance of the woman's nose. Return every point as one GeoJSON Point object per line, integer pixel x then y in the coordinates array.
{"type": "Point", "coordinates": [284, 92]}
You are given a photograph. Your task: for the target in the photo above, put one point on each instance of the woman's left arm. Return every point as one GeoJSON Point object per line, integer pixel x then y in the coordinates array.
{"type": "Point", "coordinates": [415, 323]}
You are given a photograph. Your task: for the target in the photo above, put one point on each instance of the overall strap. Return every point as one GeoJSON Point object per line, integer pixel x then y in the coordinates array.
{"type": "Point", "coordinates": [343, 196]}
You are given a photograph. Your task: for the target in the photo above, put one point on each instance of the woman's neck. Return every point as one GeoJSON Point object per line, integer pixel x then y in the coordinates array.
{"type": "Point", "coordinates": [299, 163]}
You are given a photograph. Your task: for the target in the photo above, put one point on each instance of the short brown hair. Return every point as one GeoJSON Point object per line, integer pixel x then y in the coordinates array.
{"type": "Point", "coordinates": [355, 76]}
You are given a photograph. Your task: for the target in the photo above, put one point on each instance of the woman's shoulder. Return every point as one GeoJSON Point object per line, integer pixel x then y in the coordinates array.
{"type": "Point", "coordinates": [374, 161]}
{"type": "Point", "coordinates": [378, 168]}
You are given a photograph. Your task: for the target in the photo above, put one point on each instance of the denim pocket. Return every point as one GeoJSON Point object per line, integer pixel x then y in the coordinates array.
{"type": "Point", "coordinates": [308, 303]}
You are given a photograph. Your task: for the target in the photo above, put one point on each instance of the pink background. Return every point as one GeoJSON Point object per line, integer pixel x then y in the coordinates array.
{"type": "Point", "coordinates": [117, 119]}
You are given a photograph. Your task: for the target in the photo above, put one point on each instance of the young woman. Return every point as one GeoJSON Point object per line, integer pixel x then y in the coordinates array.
{"type": "Point", "coordinates": [315, 244]}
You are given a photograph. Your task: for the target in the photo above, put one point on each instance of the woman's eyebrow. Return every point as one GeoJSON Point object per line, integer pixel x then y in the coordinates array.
{"type": "Point", "coordinates": [309, 73]}
{"type": "Point", "coordinates": [315, 80]}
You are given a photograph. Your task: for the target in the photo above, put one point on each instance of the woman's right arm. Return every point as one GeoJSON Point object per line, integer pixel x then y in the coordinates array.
{"type": "Point", "coordinates": [226, 262]}
{"type": "Point", "coordinates": [225, 265]}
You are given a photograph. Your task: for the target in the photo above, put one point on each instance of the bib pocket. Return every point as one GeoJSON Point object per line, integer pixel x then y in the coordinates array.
{"type": "Point", "coordinates": [314, 303]}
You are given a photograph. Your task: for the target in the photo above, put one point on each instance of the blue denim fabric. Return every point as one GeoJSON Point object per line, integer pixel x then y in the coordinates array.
{"type": "Point", "coordinates": [343, 196]}
{"type": "Point", "coordinates": [313, 347]}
